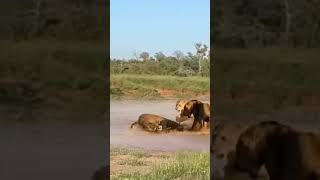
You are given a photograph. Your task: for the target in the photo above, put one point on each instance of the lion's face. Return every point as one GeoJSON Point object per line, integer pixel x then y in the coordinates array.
{"type": "Point", "coordinates": [187, 110]}
{"type": "Point", "coordinates": [229, 147]}
{"type": "Point", "coordinates": [180, 105]}
{"type": "Point", "coordinates": [180, 108]}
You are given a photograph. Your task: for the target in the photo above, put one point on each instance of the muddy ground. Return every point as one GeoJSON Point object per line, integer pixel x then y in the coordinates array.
{"type": "Point", "coordinates": [301, 118]}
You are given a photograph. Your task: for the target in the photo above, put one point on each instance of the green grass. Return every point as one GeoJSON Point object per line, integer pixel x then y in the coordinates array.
{"type": "Point", "coordinates": [265, 77]}
{"type": "Point", "coordinates": [74, 73]}
{"type": "Point", "coordinates": [71, 73]}
{"type": "Point", "coordinates": [133, 162]}
{"type": "Point", "coordinates": [151, 85]}
{"type": "Point", "coordinates": [114, 151]}
{"type": "Point", "coordinates": [271, 68]}
{"type": "Point", "coordinates": [183, 165]}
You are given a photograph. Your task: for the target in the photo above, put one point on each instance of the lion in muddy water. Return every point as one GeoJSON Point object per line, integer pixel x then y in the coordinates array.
{"type": "Point", "coordinates": [200, 112]}
{"type": "Point", "coordinates": [155, 123]}
{"type": "Point", "coordinates": [286, 153]}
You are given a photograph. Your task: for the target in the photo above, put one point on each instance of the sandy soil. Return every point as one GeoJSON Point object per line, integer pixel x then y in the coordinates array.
{"type": "Point", "coordinates": [302, 118]}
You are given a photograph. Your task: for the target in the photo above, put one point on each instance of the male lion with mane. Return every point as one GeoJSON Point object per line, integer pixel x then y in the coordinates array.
{"type": "Point", "coordinates": [286, 153]}
{"type": "Point", "coordinates": [200, 112]}
{"type": "Point", "coordinates": [179, 107]}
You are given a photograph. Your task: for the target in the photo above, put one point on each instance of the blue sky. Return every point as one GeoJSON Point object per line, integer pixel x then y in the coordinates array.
{"type": "Point", "coordinates": [158, 25]}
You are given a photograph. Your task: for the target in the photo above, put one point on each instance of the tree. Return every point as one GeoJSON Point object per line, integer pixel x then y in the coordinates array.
{"type": "Point", "coordinates": [190, 55]}
{"type": "Point", "coordinates": [178, 54]}
{"type": "Point", "coordinates": [313, 7]}
{"type": "Point", "coordinates": [151, 58]}
{"type": "Point", "coordinates": [159, 56]}
{"type": "Point", "coordinates": [135, 54]}
{"type": "Point", "coordinates": [145, 56]}
{"type": "Point", "coordinates": [208, 54]}
{"type": "Point", "coordinates": [201, 53]}
{"type": "Point", "coordinates": [287, 7]}
{"type": "Point", "coordinates": [36, 9]}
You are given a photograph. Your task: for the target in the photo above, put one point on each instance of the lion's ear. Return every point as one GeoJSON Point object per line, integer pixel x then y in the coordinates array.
{"type": "Point", "coordinates": [187, 107]}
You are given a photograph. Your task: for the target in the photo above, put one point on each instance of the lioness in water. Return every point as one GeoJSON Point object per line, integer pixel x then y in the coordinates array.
{"type": "Point", "coordinates": [286, 153]}
{"type": "Point", "coordinates": [200, 112]}
{"type": "Point", "coordinates": [155, 123]}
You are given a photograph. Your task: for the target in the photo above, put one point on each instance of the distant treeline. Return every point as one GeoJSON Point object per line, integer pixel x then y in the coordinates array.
{"type": "Point", "coordinates": [58, 19]}
{"type": "Point", "coordinates": [256, 23]}
{"type": "Point", "coordinates": [159, 64]}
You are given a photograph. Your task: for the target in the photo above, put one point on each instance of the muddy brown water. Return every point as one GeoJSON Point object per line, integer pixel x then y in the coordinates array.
{"type": "Point", "coordinates": [72, 150]}
{"type": "Point", "coordinates": [51, 150]}
{"type": "Point", "coordinates": [123, 113]}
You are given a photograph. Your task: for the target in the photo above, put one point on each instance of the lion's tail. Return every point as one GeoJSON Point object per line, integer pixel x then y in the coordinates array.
{"type": "Point", "coordinates": [133, 124]}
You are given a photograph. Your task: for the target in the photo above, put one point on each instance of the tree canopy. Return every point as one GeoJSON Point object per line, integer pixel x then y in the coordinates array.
{"type": "Point", "coordinates": [160, 64]}
{"type": "Point", "coordinates": [268, 23]}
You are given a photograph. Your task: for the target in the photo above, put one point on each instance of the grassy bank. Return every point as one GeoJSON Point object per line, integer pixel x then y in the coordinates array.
{"type": "Point", "coordinates": [141, 164]}
{"type": "Point", "coordinates": [265, 79]}
{"type": "Point", "coordinates": [151, 86]}
{"type": "Point", "coordinates": [52, 77]}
